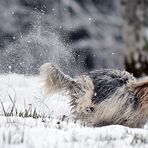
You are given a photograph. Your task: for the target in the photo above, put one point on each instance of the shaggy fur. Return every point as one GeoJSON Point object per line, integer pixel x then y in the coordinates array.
{"type": "Point", "coordinates": [102, 97]}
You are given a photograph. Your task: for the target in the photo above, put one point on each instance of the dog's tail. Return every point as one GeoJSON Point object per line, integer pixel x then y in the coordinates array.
{"type": "Point", "coordinates": [53, 79]}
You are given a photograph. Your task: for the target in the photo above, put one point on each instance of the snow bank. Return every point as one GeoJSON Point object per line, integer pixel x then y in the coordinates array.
{"type": "Point", "coordinates": [54, 131]}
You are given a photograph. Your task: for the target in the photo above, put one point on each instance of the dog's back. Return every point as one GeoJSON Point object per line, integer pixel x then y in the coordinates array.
{"type": "Point", "coordinates": [107, 81]}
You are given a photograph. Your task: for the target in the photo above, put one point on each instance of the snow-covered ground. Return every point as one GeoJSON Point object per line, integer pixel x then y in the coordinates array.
{"type": "Point", "coordinates": [52, 127]}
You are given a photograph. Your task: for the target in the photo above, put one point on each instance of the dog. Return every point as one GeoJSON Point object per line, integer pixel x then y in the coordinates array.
{"type": "Point", "coordinates": [102, 97]}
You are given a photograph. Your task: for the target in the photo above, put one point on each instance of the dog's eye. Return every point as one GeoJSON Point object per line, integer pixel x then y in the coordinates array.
{"type": "Point", "coordinates": [73, 82]}
{"type": "Point", "coordinates": [89, 109]}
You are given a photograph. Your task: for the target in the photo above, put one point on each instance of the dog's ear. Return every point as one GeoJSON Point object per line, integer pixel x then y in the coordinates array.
{"type": "Point", "coordinates": [140, 90]}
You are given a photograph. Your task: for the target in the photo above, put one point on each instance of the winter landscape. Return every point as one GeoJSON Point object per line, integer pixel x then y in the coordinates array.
{"type": "Point", "coordinates": [77, 37]}
{"type": "Point", "coordinates": [31, 120]}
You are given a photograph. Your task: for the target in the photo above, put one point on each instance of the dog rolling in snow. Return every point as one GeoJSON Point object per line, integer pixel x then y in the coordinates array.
{"type": "Point", "coordinates": [102, 97]}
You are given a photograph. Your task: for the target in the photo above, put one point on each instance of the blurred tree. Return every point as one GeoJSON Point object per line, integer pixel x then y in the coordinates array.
{"type": "Point", "coordinates": [89, 31]}
{"type": "Point", "coordinates": [135, 28]}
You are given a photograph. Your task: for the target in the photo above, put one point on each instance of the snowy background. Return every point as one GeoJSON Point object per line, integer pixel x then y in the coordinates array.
{"type": "Point", "coordinates": [35, 31]}
{"type": "Point", "coordinates": [75, 35]}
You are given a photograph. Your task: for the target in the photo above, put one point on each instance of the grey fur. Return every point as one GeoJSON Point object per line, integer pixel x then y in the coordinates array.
{"type": "Point", "coordinates": [107, 81]}
{"type": "Point", "coordinates": [102, 97]}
